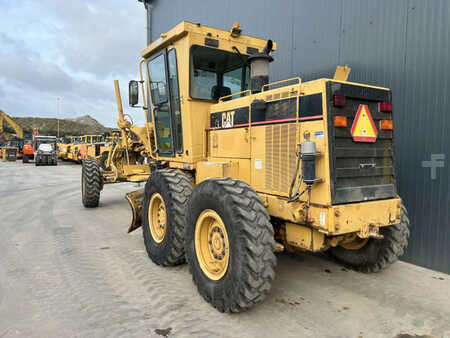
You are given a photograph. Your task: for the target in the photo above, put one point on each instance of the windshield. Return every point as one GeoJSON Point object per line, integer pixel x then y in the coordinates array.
{"type": "Point", "coordinates": [216, 73]}
{"type": "Point", "coordinates": [45, 147]}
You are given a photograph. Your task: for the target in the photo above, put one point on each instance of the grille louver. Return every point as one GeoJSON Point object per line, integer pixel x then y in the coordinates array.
{"type": "Point", "coordinates": [280, 157]}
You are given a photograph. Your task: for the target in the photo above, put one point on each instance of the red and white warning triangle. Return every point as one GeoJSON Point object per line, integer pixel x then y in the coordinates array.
{"type": "Point", "coordinates": [363, 127]}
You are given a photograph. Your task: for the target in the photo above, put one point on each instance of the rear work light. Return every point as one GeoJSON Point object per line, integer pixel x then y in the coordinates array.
{"type": "Point", "coordinates": [385, 107]}
{"type": "Point", "coordinates": [339, 101]}
{"type": "Point", "coordinates": [386, 125]}
{"type": "Point", "coordinates": [340, 121]}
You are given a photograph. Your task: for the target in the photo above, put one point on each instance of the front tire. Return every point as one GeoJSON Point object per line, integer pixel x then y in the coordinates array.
{"type": "Point", "coordinates": [229, 244]}
{"type": "Point", "coordinates": [90, 183]}
{"type": "Point", "coordinates": [25, 159]}
{"type": "Point", "coordinates": [163, 216]}
{"type": "Point", "coordinates": [377, 254]}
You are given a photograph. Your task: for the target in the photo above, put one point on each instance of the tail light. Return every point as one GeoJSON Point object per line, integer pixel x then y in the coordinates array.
{"type": "Point", "coordinates": [339, 101]}
{"type": "Point", "coordinates": [386, 125]}
{"type": "Point", "coordinates": [340, 121]}
{"type": "Point", "coordinates": [385, 107]}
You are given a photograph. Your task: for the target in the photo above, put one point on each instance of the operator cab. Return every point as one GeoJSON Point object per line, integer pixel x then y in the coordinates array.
{"type": "Point", "coordinates": [188, 69]}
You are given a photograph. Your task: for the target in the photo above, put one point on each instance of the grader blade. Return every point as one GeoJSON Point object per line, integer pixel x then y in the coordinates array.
{"type": "Point", "coordinates": [135, 199]}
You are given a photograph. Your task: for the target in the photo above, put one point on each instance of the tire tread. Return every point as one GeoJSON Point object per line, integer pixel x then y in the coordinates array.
{"type": "Point", "coordinates": [256, 233]}
{"type": "Point", "coordinates": [92, 176]}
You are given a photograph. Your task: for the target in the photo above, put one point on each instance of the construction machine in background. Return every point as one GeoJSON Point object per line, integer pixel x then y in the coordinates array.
{"type": "Point", "coordinates": [41, 149]}
{"type": "Point", "coordinates": [12, 141]}
{"type": "Point", "coordinates": [64, 146]}
{"type": "Point", "coordinates": [46, 150]}
{"type": "Point", "coordinates": [74, 147]}
{"type": "Point", "coordinates": [92, 146]}
{"type": "Point", "coordinates": [29, 147]}
{"type": "Point", "coordinates": [8, 153]}
{"type": "Point", "coordinates": [79, 148]}
{"type": "Point", "coordinates": [101, 151]}
{"type": "Point", "coordinates": [238, 167]}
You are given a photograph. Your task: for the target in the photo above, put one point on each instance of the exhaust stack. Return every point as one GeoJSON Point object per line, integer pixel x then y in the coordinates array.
{"type": "Point", "coordinates": [259, 68]}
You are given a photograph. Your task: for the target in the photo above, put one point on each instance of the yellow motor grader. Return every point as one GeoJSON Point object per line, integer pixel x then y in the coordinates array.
{"type": "Point", "coordinates": [72, 149]}
{"type": "Point", "coordinates": [237, 168]}
{"type": "Point", "coordinates": [64, 147]}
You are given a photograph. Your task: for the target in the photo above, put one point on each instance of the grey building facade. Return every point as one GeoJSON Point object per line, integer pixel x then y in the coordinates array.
{"type": "Point", "coordinates": [401, 44]}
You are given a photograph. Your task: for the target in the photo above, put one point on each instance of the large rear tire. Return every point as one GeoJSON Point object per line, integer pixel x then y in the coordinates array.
{"type": "Point", "coordinates": [163, 216]}
{"type": "Point", "coordinates": [229, 244]}
{"type": "Point", "coordinates": [377, 254]}
{"type": "Point", "coordinates": [90, 183]}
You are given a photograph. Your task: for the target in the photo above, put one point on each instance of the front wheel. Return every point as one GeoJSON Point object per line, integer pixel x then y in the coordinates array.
{"type": "Point", "coordinates": [90, 183]}
{"type": "Point", "coordinates": [163, 216]}
{"type": "Point", "coordinates": [376, 254]}
{"type": "Point", "coordinates": [229, 244]}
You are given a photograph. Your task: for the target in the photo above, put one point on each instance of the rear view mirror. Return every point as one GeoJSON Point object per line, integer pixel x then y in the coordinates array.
{"type": "Point", "coordinates": [133, 92]}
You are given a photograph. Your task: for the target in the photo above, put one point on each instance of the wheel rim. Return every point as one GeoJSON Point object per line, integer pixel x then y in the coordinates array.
{"type": "Point", "coordinates": [212, 245]}
{"type": "Point", "coordinates": [157, 217]}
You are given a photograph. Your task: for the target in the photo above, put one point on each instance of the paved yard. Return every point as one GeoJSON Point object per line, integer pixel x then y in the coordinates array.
{"type": "Point", "coordinates": [66, 271]}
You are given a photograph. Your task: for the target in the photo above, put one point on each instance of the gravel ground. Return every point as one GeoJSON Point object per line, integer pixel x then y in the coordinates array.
{"type": "Point", "coordinates": [66, 271]}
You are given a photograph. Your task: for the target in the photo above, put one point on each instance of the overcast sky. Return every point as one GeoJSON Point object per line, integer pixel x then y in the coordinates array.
{"type": "Point", "coordinates": [72, 50]}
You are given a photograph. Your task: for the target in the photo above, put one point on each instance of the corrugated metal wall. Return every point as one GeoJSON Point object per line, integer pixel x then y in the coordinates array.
{"type": "Point", "coordinates": [402, 44]}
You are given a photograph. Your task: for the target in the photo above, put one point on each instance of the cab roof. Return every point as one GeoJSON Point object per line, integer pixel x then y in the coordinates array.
{"type": "Point", "coordinates": [184, 28]}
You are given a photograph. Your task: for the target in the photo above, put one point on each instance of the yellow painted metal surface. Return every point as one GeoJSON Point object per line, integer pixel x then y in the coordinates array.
{"type": "Point", "coordinates": [342, 73]}
{"type": "Point", "coordinates": [304, 238]}
{"type": "Point", "coordinates": [157, 217]}
{"type": "Point", "coordinates": [216, 169]}
{"type": "Point", "coordinates": [184, 28]}
{"type": "Point", "coordinates": [338, 219]}
{"type": "Point", "coordinates": [212, 246]}
{"type": "Point", "coordinates": [262, 154]}
{"type": "Point", "coordinates": [348, 217]}
{"type": "Point", "coordinates": [134, 169]}
{"type": "Point", "coordinates": [234, 143]}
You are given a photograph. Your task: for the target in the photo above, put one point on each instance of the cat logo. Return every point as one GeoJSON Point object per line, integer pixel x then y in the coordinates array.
{"type": "Point", "coordinates": [363, 128]}
{"type": "Point", "coordinates": [228, 119]}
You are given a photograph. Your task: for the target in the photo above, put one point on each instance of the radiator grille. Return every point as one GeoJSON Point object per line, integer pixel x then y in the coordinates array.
{"type": "Point", "coordinates": [280, 157]}
{"type": "Point", "coordinates": [360, 171]}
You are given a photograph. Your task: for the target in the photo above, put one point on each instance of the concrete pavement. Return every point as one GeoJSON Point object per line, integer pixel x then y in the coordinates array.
{"type": "Point", "coordinates": [66, 271]}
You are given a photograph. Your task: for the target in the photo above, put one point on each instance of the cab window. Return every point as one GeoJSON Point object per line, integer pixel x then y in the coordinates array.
{"type": "Point", "coordinates": [175, 99]}
{"type": "Point", "coordinates": [215, 73]}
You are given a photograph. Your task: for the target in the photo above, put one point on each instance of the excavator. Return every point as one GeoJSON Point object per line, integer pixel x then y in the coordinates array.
{"type": "Point", "coordinates": [10, 140]}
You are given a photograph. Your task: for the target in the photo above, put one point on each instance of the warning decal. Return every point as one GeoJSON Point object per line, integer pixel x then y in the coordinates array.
{"type": "Point", "coordinates": [363, 127]}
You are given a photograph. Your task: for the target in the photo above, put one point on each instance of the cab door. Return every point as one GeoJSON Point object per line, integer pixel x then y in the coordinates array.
{"type": "Point", "coordinates": [165, 98]}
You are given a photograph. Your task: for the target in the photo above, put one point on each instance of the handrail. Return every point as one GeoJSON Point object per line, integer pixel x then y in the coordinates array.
{"type": "Point", "coordinates": [281, 81]}
{"type": "Point", "coordinates": [234, 94]}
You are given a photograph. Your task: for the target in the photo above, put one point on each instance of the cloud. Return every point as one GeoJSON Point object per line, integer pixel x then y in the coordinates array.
{"type": "Point", "coordinates": [68, 49]}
